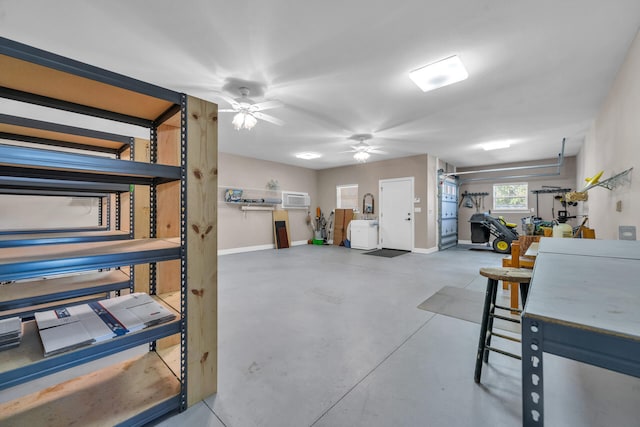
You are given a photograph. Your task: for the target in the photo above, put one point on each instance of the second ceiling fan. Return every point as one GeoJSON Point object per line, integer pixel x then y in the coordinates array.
{"type": "Point", "coordinates": [362, 151]}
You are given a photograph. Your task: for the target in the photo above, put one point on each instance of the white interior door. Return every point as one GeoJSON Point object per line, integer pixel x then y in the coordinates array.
{"type": "Point", "coordinates": [396, 213]}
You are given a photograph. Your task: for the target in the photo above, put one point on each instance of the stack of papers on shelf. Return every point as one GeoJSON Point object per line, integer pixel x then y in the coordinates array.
{"type": "Point", "coordinates": [71, 327]}
{"type": "Point", "coordinates": [10, 332]}
{"type": "Point", "coordinates": [68, 328]}
{"type": "Point", "coordinates": [137, 311]}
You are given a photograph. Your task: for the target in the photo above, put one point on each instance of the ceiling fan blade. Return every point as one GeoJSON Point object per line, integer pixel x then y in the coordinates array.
{"type": "Point", "coordinates": [266, 105]}
{"type": "Point", "coordinates": [377, 152]}
{"type": "Point", "coordinates": [227, 110]}
{"type": "Point", "coordinates": [268, 118]}
{"type": "Point", "coordinates": [229, 100]}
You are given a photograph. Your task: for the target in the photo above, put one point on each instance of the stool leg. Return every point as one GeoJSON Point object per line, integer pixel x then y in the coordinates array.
{"type": "Point", "coordinates": [483, 328]}
{"type": "Point", "coordinates": [492, 310]}
{"type": "Point", "coordinates": [524, 291]}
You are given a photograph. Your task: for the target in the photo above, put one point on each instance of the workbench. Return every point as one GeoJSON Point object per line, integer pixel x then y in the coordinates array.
{"type": "Point", "coordinates": [582, 305]}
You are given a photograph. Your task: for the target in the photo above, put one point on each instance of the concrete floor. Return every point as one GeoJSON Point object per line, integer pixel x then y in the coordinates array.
{"type": "Point", "coordinates": [327, 336]}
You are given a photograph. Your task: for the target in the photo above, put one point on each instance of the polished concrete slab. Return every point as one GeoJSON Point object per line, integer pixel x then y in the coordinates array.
{"type": "Point", "coordinates": [325, 336]}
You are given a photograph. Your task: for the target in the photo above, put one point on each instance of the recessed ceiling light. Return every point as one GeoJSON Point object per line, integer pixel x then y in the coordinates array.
{"type": "Point", "coordinates": [439, 74]}
{"type": "Point", "coordinates": [308, 156]}
{"type": "Point", "coordinates": [496, 145]}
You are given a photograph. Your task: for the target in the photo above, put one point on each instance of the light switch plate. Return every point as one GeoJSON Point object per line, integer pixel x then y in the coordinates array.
{"type": "Point", "coordinates": [417, 210]}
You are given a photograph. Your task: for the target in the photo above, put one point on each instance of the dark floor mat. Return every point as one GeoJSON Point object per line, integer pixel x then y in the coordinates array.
{"type": "Point", "coordinates": [387, 253]}
{"type": "Point", "coordinates": [463, 304]}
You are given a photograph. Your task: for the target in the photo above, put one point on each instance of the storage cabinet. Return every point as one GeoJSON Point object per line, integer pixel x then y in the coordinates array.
{"type": "Point", "coordinates": [364, 234]}
{"type": "Point", "coordinates": [156, 234]}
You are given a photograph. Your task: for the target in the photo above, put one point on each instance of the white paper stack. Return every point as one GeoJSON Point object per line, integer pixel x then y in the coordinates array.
{"type": "Point", "coordinates": [71, 327]}
{"type": "Point", "coordinates": [76, 326]}
{"type": "Point", "coordinates": [137, 311]}
{"type": "Point", "coordinates": [10, 332]}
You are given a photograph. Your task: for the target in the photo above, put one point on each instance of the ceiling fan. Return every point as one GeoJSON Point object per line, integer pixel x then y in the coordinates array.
{"type": "Point", "coordinates": [363, 150]}
{"type": "Point", "coordinates": [248, 112]}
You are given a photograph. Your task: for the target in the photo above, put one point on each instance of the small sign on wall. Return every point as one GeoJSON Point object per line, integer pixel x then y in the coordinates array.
{"type": "Point", "coordinates": [627, 232]}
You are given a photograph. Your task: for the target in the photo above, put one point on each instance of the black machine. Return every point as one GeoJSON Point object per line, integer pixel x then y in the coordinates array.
{"type": "Point", "coordinates": [483, 225]}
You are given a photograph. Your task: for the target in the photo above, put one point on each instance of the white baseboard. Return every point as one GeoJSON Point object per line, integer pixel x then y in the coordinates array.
{"type": "Point", "coordinates": [256, 248]}
{"type": "Point", "coordinates": [464, 242]}
{"type": "Point", "coordinates": [245, 249]}
{"type": "Point", "coordinates": [425, 251]}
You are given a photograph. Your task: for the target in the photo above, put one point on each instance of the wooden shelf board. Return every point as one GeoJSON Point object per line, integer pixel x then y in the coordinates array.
{"type": "Point", "coordinates": [40, 80]}
{"type": "Point", "coordinates": [106, 397]}
{"type": "Point", "coordinates": [57, 285]}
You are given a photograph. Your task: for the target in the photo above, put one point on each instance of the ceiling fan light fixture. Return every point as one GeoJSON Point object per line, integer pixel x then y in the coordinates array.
{"type": "Point", "coordinates": [244, 120]}
{"type": "Point", "coordinates": [441, 73]}
{"type": "Point", "coordinates": [361, 156]}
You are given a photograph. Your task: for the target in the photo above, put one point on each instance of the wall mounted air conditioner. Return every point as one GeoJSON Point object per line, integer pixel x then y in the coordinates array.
{"type": "Point", "coordinates": [292, 200]}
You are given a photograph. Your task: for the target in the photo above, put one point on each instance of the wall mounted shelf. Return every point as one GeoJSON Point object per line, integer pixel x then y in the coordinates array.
{"type": "Point", "coordinates": [616, 180]}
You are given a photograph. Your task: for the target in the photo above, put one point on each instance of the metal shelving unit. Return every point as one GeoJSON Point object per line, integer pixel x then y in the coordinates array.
{"type": "Point", "coordinates": [95, 261]}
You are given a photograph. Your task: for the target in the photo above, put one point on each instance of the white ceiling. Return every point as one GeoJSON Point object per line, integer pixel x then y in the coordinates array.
{"type": "Point", "coordinates": [538, 71]}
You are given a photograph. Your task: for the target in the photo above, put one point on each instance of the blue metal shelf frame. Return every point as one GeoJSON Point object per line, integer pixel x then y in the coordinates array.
{"type": "Point", "coordinates": [53, 239]}
{"type": "Point", "coordinates": [183, 259]}
{"type": "Point", "coordinates": [602, 349]}
{"type": "Point", "coordinates": [58, 187]}
{"type": "Point", "coordinates": [38, 163]}
{"type": "Point", "coordinates": [29, 269]}
{"type": "Point", "coordinates": [145, 417]}
{"type": "Point", "coordinates": [50, 365]}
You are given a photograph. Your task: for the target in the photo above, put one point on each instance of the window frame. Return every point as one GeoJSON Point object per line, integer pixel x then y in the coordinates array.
{"type": "Point", "coordinates": [506, 208]}
{"type": "Point", "coordinates": [339, 199]}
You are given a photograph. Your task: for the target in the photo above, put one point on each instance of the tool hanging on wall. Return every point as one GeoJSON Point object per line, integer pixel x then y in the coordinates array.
{"type": "Point", "coordinates": [549, 189]}
{"type": "Point", "coordinates": [473, 199]}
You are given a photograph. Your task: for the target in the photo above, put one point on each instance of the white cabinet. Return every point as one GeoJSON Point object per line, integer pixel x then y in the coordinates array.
{"type": "Point", "coordinates": [364, 234]}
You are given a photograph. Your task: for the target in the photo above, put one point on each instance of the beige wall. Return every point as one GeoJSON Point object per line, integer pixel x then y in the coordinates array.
{"type": "Point", "coordinates": [245, 229]}
{"type": "Point", "coordinates": [613, 145]}
{"type": "Point", "coordinates": [368, 175]}
{"type": "Point", "coordinates": [546, 202]}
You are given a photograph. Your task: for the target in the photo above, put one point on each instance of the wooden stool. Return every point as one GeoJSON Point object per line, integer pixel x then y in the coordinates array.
{"type": "Point", "coordinates": [517, 259]}
{"type": "Point", "coordinates": [521, 276]}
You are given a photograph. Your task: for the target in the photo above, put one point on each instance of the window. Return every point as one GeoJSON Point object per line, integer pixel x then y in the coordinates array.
{"type": "Point", "coordinates": [510, 197]}
{"type": "Point", "coordinates": [347, 196]}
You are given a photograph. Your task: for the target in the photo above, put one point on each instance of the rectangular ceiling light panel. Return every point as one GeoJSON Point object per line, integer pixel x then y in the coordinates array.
{"type": "Point", "coordinates": [439, 74]}
{"type": "Point", "coordinates": [496, 145]}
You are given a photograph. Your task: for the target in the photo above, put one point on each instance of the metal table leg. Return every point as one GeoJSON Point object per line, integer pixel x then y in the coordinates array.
{"type": "Point", "coordinates": [532, 379]}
